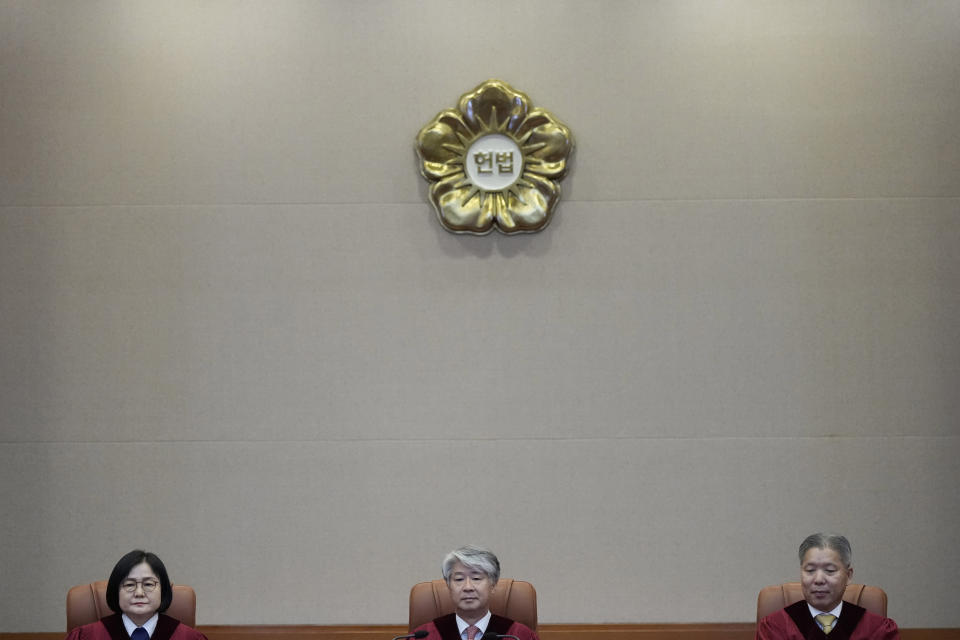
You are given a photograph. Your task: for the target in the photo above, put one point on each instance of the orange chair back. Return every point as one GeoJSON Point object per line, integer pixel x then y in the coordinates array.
{"type": "Point", "coordinates": [778, 596]}
{"type": "Point", "coordinates": [87, 603]}
{"type": "Point", "coordinates": [514, 599]}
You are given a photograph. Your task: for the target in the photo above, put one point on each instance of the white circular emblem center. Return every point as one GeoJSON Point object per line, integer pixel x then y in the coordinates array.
{"type": "Point", "coordinates": [494, 162]}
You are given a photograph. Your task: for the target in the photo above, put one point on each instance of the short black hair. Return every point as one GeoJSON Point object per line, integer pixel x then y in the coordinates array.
{"type": "Point", "coordinates": [123, 568]}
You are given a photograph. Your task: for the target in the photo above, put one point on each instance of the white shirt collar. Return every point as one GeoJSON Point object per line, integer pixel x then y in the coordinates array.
{"type": "Point", "coordinates": [480, 624]}
{"type": "Point", "coordinates": [149, 625]}
{"type": "Point", "coordinates": [815, 612]}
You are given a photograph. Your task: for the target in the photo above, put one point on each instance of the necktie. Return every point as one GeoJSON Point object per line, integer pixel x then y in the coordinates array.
{"type": "Point", "coordinates": [140, 634]}
{"type": "Point", "coordinates": [826, 619]}
{"type": "Point", "coordinates": [471, 632]}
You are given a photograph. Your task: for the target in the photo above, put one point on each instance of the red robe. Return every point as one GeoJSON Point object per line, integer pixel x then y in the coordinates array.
{"type": "Point", "coordinates": [111, 628]}
{"type": "Point", "coordinates": [445, 628]}
{"type": "Point", "coordinates": [855, 623]}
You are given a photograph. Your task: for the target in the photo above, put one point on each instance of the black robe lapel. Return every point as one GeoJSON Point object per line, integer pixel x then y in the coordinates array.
{"type": "Point", "coordinates": [499, 624]}
{"type": "Point", "coordinates": [799, 612]}
{"type": "Point", "coordinates": [165, 627]}
{"type": "Point", "coordinates": [849, 618]}
{"type": "Point", "coordinates": [114, 626]}
{"type": "Point", "coordinates": [447, 627]}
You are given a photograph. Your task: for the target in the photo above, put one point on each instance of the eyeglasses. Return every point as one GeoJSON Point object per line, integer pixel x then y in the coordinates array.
{"type": "Point", "coordinates": [148, 585]}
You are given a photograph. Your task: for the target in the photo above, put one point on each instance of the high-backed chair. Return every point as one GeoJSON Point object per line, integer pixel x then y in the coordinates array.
{"type": "Point", "coordinates": [778, 596]}
{"type": "Point", "coordinates": [514, 599]}
{"type": "Point", "coordinates": [87, 603]}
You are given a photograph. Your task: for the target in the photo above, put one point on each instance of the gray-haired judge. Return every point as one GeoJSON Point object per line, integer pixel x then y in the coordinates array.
{"type": "Point", "coordinates": [471, 574]}
{"type": "Point", "coordinates": [826, 566]}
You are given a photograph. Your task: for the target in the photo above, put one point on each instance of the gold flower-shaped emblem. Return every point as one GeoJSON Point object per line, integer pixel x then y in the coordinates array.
{"type": "Point", "coordinates": [495, 162]}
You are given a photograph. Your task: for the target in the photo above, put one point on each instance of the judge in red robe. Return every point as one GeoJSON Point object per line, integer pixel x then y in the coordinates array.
{"type": "Point", "coordinates": [825, 569]}
{"type": "Point", "coordinates": [855, 623]}
{"type": "Point", "coordinates": [138, 591]}
{"type": "Point", "coordinates": [112, 628]}
{"type": "Point", "coordinates": [471, 574]}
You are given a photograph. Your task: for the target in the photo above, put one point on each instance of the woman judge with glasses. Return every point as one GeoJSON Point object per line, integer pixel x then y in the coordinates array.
{"type": "Point", "coordinates": [138, 592]}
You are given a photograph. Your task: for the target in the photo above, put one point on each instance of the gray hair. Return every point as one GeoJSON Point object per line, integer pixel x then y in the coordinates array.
{"type": "Point", "coordinates": [473, 558]}
{"type": "Point", "coordinates": [832, 541]}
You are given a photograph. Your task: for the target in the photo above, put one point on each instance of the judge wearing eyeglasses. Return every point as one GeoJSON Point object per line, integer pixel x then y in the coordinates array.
{"type": "Point", "coordinates": [138, 592]}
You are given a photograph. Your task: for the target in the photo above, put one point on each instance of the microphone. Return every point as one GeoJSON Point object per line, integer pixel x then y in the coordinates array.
{"type": "Point", "coordinates": [416, 634]}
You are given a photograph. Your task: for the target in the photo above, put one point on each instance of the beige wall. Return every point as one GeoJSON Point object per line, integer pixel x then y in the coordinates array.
{"type": "Point", "coordinates": [233, 332]}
